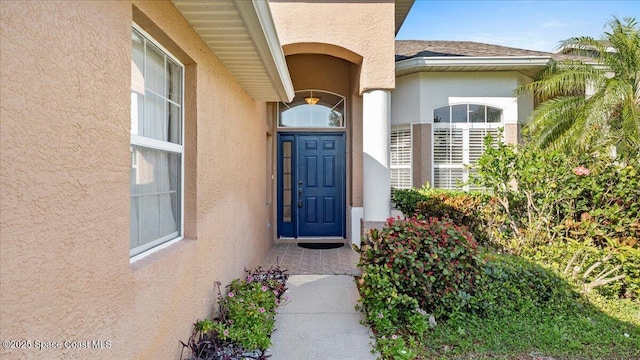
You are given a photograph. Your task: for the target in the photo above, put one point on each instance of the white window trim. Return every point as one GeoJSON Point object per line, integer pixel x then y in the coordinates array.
{"type": "Point", "coordinates": [137, 140]}
{"type": "Point", "coordinates": [312, 129]}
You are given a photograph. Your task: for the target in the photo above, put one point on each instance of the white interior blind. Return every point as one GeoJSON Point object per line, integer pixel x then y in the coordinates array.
{"type": "Point", "coordinates": [476, 142]}
{"type": "Point", "coordinates": [458, 140]}
{"type": "Point", "coordinates": [400, 157]}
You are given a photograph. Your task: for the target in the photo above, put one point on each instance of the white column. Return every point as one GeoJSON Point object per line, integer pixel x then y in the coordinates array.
{"type": "Point", "coordinates": [376, 190]}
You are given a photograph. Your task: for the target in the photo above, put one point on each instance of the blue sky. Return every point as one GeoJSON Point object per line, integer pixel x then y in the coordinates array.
{"type": "Point", "coordinates": [533, 24]}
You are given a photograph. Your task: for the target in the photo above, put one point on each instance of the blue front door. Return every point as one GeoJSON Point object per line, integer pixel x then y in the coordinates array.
{"type": "Point", "coordinates": [311, 185]}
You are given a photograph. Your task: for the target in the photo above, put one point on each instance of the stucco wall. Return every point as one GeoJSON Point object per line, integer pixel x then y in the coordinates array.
{"type": "Point", "coordinates": [64, 175]}
{"type": "Point", "coordinates": [364, 28]}
{"type": "Point", "coordinates": [322, 72]}
{"type": "Point", "coordinates": [417, 94]}
{"type": "Point", "coordinates": [525, 101]}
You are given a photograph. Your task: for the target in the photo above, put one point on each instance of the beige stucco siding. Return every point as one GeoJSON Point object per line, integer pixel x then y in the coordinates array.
{"type": "Point", "coordinates": [366, 29]}
{"type": "Point", "coordinates": [65, 171]}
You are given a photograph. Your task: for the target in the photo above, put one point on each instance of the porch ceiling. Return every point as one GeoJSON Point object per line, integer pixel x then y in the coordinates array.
{"type": "Point", "coordinates": [242, 35]}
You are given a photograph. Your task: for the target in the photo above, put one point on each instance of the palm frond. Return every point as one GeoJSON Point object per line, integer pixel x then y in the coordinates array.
{"type": "Point", "coordinates": [591, 105]}
{"type": "Point", "coordinates": [552, 120]}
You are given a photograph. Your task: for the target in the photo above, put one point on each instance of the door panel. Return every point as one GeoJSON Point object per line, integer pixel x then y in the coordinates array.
{"type": "Point", "coordinates": [318, 175]}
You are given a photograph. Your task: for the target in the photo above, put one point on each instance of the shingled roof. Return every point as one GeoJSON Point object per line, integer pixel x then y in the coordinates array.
{"type": "Point", "coordinates": [408, 49]}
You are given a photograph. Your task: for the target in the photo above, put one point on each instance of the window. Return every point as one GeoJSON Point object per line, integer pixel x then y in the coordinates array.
{"type": "Point", "coordinates": [157, 80]}
{"type": "Point", "coordinates": [458, 140]}
{"type": "Point", "coordinates": [400, 157]}
{"type": "Point", "coordinates": [312, 109]}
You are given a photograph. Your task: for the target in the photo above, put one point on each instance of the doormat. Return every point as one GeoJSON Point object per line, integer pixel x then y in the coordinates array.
{"type": "Point", "coordinates": [320, 246]}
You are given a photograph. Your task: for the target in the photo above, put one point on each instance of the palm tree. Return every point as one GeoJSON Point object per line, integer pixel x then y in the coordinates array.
{"type": "Point", "coordinates": [571, 120]}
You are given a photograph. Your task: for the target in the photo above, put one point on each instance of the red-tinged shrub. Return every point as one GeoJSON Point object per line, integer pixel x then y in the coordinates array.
{"type": "Point", "coordinates": [432, 260]}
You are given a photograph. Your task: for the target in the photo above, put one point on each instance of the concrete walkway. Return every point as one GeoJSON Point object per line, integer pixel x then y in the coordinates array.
{"type": "Point", "coordinates": [320, 321]}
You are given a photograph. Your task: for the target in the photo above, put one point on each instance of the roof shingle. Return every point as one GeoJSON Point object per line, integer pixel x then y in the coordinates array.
{"type": "Point", "coordinates": [407, 49]}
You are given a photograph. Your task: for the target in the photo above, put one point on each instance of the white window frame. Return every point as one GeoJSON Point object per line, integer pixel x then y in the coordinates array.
{"type": "Point", "coordinates": [395, 166]}
{"type": "Point", "coordinates": [466, 146]}
{"type": "Point", "coordinates": [285, 106]}
{"type": "Point", "coordinates": [166, 146]}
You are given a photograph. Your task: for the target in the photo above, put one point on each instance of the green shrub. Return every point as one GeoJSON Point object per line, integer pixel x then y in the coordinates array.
{"type": "Point", "coordinates": [406, 200]}
{"type": "Point", "coordinates": [549, 199]}
{"type": "Point", "coordinates": [395, 317]}
{"type": "Point", "coordinates": [511, 284]}
{"type": "Point", "coordinates": [250, 310]}
{"type": "Point", "coordinates": [386, 307]}
{"type": "Point", "coordinates": [431, 260]}
{"type": "Point", "coordinates": [544, 196]}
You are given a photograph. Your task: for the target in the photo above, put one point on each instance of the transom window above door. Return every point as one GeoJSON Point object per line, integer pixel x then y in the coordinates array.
{"type": "Point", "coordinates": [313, 109]}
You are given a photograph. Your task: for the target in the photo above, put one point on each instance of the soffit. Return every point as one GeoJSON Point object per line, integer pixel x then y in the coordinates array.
{"type": "Point", "coordinates": [402, 9]}
{"type": "Point", "coordinates": [242, 35]}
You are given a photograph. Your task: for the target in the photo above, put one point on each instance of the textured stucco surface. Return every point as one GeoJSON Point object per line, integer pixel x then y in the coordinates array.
{"type": "Point", "coordinates": [366, 29]}
{"type": "Point", "coordinates": [64, 176]}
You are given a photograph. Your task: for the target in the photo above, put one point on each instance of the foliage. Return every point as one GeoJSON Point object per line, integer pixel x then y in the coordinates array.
{"type": "Point", "coordinates": [250, 310]}
{"type": "Point", "coordinates": [511, 284]}
{"type": "Point", "coordinates": [245, 322]}
{"type": "Point", "coordinates": [519, 309]}
{"type": "Point", "coordinates": [391, 313]}
{"type": "Point", "coordinates": [552, 196]}
{"type": "Point", "coordinates": [549, 198]}
{"type": "Point", "coordinates": [601, 329]}
{"type": "Point", "coordinates": [570, 121]}
{"type": "Point", "coordinates": [559, 256]}
{"type": "Point", "coordinates": [431, 260]}
{"type": "Point", "coordinates": [406, 200]}
{"type": "Point", "coordinates": [476, 210]}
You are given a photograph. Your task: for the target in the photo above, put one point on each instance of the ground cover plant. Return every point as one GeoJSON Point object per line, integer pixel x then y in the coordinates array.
{"type": "Point", "coordinates": [245, 320]}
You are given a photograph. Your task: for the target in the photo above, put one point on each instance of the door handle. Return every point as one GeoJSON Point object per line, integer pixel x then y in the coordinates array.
{"type": "Point", "coordinates": [299, 193]}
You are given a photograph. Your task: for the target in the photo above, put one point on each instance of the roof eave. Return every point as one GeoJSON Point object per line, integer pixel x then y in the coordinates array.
{"type": "Point", "coordinates": [262, 30]}
{"type": "Point", "coordinates": [242, 35]}
{"type": "Point", "coordinates": [402, 8]}
{"type": "Point", "coordinates": [418, 64]}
